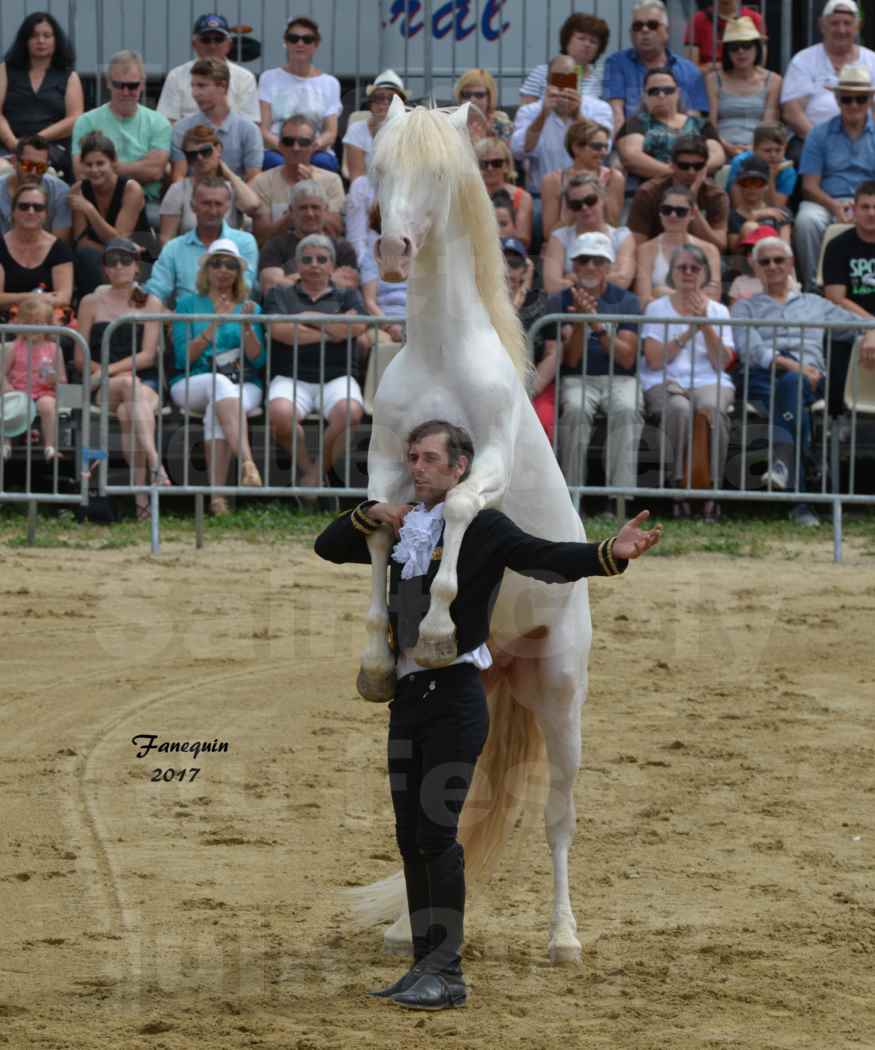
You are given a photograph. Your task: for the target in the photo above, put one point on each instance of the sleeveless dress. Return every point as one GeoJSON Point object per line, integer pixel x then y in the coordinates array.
{"type": "Point", "coordinates": [121, 345]}
{"type": "Point", "coordinates": [738, 115]}
{"type": "Point", "coordinates": [28, 111]}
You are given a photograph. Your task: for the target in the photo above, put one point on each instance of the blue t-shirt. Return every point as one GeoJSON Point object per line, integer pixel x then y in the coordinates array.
{"type": "Point", "coordinates": [614, 300]}
{"type": "Point", "coordinates": [841, 162]}
{"type": "Point", "coordinates": [785, 182]}
{"type": "Point", "coordinates": [624, 78]}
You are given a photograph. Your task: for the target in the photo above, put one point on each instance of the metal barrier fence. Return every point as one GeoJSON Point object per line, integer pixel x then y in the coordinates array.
{"type": "Point", "coordinates": [19, 449]}
{"type": "Point", "coordinates": [755, 427]}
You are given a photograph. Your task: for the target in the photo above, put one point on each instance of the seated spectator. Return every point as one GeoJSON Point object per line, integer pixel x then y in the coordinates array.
{"type": "Point", "coordinates": [34, 365]}
{"type": "Point", "coordinates": [105, 206]}
{"type": "Point", "coordinates": [300, 365]}
{"type": "Point", "coordinates": [838, 155]}
{"type": "Point", "coordinates": [219, 364]}
{"type": "Point", "coordinates": [770, 145]}
{"type": "Point", "coordinates": [478, 86]}
{"type": "Point", "coordinates": [211, 38]}
{"type": "Point", "coordinates": [588, 145]}
{"type": "Point", "coordinates": [645, 142]}
{"type": "Point", "coordinates": [504, 215]}
{"type": "Point", "coordinates": [625, 70]}
{"type": "Point", "coordinates": [299, 87]}
{"type": "Point", "coordinates": [584, 38]}
{"type": "Point", "coordinates": [308, 207]}
{"type": "Point", "coordinates": [141, 136]}
{"type": "Point", "coordinates": [242, 149]}
{"type": "Point", "coordinates": [175, 274]}
{"type": "Point", "coordinates": [779, 355]}
{"type": "Point", "coordinates": [359, 137]}
{"type": "Point", "coordinates": [31, 160]}
{"type": "Point", "coordinates": [700, 38]}
{"type": "Point", "coordinates": [359, 202]}
{"type": "Point", "coordinates": [203, 154]}
{"type": "Point", "coordinates": [274, 187]}
{"type": "Point", "coordinates": [683, 372]}
{"type": "Point", "coordinates": [654, 256]}
{"type": "Point", "coordinates": [745, 94]}
{"type": "Point", "coordinates": [40, 90]}
{"type": "Point", "coordinates": [496, 167]}
{"type": "Point", "coordinates": [689, 158]}
{"type": "Point", "coordinates": [746, 284]}
{"type": "Point", "coordinates": [585, 200]}
{"type": "Point", "coordinates": [807, 95]}
{"type": "Point", "coordinates": [382, 299]}
{"type": "Point", "coordinates": [133, 377]}
{"type": "Point", "coordinates": [33, 262]}
{"type": "Point", "coordinates": [540, 127]}
{"type": "Point", "coordinates": [608, 361]}
{"type": "Point", "coordinates": [753, 208]}
{"type": "Point", "coordinates": [529, 303]}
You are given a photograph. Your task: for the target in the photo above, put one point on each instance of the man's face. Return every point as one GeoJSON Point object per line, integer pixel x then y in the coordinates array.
{"type": "Point", "coordinates": [297, 142]}
{"type": "Point", "coordinates": [210, 205]}
{"type": "Point", "coordinates": [125, 88]}
{"type": "Point", "coordinates": [864, 215]}
{"type": "Point", "coordinates": [649, 30]}
{"type": "Point", "coordinates": [309, 216]}
{"type": "Point", "coordinates": [839, 31]}
{"type": "Point", "coordinates": [429, 466]}
{"type": "Point", "coordinates": [32, 164]}
{"type": "Point", "coordinates": [590, 272]}
{"type": "Point", "coordinates": [770, 152]}
{"type": "Point", "coordinates": [207, 93]}
{"type": "Point", "coordinates": [686, 168]}
{"type": "Point", "coordinates": [773, 267]}
{"type": "Point", "coordinates": [211, 44]}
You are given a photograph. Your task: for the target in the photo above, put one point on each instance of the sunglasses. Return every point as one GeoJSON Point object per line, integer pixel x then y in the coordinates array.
{"type": "Point", "coordinates": [212, 38]}
{"type": "Point", "coordinates": [31, 206]}
{"type": "Point", "coordinates": [668, 91]}
{"type": "Point", "coordinates": [690, 165]}
{"type": "Point", "coordinates": [302, 141]}
{"type": "Point", "coordinates": [126, 85]}
{"type": "Point", "coordinates": [33, 167]}
{"type": "Point", "coordinates": [749, 181]}
{"type": "Point", "coordinates": [198, 154]}
{"type": "Point", "coordinates": [591, 260]}
{"type": "Point", "coordinates": [224, 264]}
{"type": "Point", "coordinates": [596, 147]}
{"type": "Point", "coordinates": [313, 260]}
{"type": "Point", "coordinates": [580, 202]}
{"type": "Point", "coordinates": [300, 38]}
{"type": "Point", "coordinates": [855, 100]}
{"type": "Point", "coordinates": [773, 260]}
{"type": "Point", "coordinates": [688, 268]}
{"type": "Point", "coordinates": [473, 93]}
{"type": "Point", "coordinates": [383, 98]}
{"type": "Point", "coordinates": [741, 45]}
{"type": "Point", "coordinates": [114, 259]}
{"type": "Point", "coordinates": [680, 210]}
{"type": "Point", "coordinates": [650, 24]}
{"type": "Point", "coordinates": [495, 163]}
{"type": "Point", "coordinates": [514, 261]}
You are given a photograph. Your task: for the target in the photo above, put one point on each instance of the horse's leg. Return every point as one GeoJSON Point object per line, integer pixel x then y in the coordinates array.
{"type": "Point", "coordinates": [398, 938]}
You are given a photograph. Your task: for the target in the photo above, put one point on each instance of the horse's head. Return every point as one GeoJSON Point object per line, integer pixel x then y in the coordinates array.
{"type": "Point", "coordinates": [418, 161]}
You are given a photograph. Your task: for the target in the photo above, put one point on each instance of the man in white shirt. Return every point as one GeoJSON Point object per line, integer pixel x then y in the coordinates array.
{"type": "Point", "coordinates": [211, 39]}
{"type": "Point", "coordinates": [806, 95]}
{"type": "Point", "coordinates": [540, 127]}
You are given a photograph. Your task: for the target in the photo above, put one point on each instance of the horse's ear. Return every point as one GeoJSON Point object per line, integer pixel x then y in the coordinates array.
{"type": "Point", "coordinates": [396, 108]}
{"type": "Point", "coordinates": [461, 118]}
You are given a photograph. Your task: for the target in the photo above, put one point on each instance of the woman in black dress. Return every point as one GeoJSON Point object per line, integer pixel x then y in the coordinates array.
{"type": "Point", "coordinates": [105, 205]}
{"type": "Point", "coordinates": [32, 260]}
{"type": "Point", "coordinates": [40, 92]}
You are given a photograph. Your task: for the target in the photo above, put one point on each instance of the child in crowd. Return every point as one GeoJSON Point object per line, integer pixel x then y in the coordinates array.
{"type": "Point", "coordinates": [770, 145]}
{"type": "Point", "coordinates": [504, 214]}
{"type": "Point", "coordinates": [35, 365]}
{"type": "Point", "coordinates": [752, 207]}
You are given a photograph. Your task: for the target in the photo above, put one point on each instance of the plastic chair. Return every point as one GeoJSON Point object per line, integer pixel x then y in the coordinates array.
{"type": "Point", "coordinates": [831, 231]}
{"type": "Point", "coordinates": [378, 361]}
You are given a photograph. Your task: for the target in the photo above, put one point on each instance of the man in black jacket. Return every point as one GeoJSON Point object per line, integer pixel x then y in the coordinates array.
{"type": "Point", "coordinates": [439, 719]}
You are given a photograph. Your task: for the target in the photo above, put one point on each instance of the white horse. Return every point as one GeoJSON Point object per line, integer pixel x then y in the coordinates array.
{"type": "Point", "coordinates": [463, 362]}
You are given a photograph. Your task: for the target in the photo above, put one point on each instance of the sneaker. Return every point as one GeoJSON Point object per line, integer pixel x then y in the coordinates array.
{"type": "Point", "coordinates": [803, 515]}
{"type": "Point", "coordinates": [778, 477]}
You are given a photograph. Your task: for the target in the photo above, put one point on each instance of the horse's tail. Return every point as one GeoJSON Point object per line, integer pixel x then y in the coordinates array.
{"type": "Point", "coordinates": [512, 765]}
{"type": "Point", "coordinates": [377, 902]}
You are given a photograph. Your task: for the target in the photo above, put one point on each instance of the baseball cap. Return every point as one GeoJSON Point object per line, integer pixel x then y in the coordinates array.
{"type": "Point", "coordinates": [211, 24]}
{"type": "Point", "coordinates": [753, 166]}
{"type": "Point", "coordinates": [840, 5]}
{"type": "Point", "coordinates": [511, 244]}
{"type": "Point", "coordinates": [224, 246]}
{"type": "Point", "coordinates": [757, 235]}
{"type": "Point", "coordinates": [121, 244]}
{"type": "Point", "coordinates": [593, 244]}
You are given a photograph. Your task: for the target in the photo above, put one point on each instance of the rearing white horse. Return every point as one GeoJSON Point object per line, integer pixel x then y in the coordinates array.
{"type": "Point", "coordinates": [463, 362]}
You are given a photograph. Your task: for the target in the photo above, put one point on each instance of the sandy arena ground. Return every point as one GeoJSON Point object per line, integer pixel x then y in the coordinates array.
{"type": "Point", "coordinates": [722, 873]}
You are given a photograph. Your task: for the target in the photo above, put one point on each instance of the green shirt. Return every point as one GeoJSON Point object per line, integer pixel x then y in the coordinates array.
{"type": "Point", "coordinates": [134, 136]}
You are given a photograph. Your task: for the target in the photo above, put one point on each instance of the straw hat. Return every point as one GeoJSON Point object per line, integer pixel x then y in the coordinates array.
{"type": "Point", "coordinates": [854, 80]}
{"type": "Point", "coordinates": [18, 412]}
{"type": "Point", "coordinates": [388, 79]}
{"type": "Point", "coordinates": [741, 30]}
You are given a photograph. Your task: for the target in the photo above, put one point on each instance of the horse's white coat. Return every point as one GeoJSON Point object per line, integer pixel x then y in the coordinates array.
{"type": "Point", "coordinates": [455, 367]}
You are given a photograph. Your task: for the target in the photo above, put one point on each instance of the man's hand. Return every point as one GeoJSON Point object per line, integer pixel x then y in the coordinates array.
{"type": "Point", "coordinates": [552, 96]}
{"type": "Point", "coordinates": [582, 302]}
{"type": "Point", "coordinates": [345, 277]}
{"type": "Point", "coordinates": [391, 514]}
{"type": "Point", "coordinates": [633, 541]}
{"type": "Point", "coordinates": [813, 375]}
{"type": "Point", "coordinates": [867, 353]}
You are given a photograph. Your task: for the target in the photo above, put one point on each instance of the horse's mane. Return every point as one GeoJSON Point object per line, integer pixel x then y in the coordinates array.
{"type": "Point", "coordinates": [426, 141]}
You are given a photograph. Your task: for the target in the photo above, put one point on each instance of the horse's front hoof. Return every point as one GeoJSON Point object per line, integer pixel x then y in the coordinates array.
{"type": "Point", "coordinates": [378, 687]}
{"type": "Point", "coordinates": [397, 938]}
{"type": "Point", "coordinates": [435, 652]}
{"type": "Point", "coordinates": [565, 954]}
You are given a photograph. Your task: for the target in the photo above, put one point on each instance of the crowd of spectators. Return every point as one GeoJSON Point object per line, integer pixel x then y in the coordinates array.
{"type": "Point", "coordinates": [630, 181]}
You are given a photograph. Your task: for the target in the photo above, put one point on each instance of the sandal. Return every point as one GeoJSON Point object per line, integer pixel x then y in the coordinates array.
{"type": "Point", "coordinates": [51, 454]}
{"type": "Point", "coordinates": [249, 475]}
{"type": "Point", "coordinates": [143, 512]}
{"type": "Point", "coordinates": [680, 510]}
{"type": "Point", "coordinates": [160, 477]}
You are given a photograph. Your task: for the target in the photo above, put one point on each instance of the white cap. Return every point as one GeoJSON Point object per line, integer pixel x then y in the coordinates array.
{"type": "Point", "coordinates": [593, 244]}
{"type": "Point", "coordinates": [841, 5]}
{"type": "Point", "coordinates": [224, 246]}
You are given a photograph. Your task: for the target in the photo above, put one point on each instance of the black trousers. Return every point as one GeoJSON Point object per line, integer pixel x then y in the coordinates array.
{"type": "Point", "coordinates": [437, 728]}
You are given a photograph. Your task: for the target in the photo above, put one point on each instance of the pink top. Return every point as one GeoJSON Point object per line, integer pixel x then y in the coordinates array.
{"type": "Point", "coordinates": [38, 359]}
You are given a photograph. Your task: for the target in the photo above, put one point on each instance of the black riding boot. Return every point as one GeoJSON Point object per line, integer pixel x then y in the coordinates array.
{"type": "Point", "coordinates": [419, 909]}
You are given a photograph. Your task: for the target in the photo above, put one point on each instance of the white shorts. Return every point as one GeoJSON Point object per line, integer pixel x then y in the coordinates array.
{"type": "Point", "coordinates": [306, 398]}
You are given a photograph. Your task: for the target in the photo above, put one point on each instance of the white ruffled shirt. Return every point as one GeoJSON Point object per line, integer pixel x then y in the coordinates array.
{"type": "Point", "coordinates": [417, 540]}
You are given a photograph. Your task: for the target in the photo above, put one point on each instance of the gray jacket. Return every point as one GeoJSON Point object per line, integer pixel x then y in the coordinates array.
{"type": "Point", "coordinates": [760, 344]}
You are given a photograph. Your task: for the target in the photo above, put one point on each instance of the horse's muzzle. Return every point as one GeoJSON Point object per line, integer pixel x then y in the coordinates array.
{"type": "Point", "coordinates": [393, 256]}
